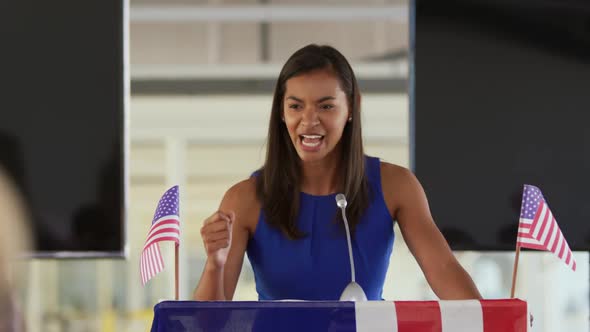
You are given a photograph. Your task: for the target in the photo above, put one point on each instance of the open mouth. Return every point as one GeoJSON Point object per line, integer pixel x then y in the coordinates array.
{"type": "Point", "coordinates": [311, 141]}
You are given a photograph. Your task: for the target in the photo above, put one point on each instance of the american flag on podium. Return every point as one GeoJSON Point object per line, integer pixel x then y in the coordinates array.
{"type": "Point", "coordinates": [165, 227]}
{"type": "Point", "coordinates": [538, 228]}
{"type": "Point", "coordinates": [363, 316]}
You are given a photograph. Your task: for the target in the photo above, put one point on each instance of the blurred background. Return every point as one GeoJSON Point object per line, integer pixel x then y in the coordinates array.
{"type": "Point", "coordinates": [201, 76]}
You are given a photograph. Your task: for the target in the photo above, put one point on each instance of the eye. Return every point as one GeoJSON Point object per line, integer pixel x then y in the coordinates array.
{"type": "Point", "coordinates": [327, 107]}
{"type": "Point", "coordinates": [295, 107]}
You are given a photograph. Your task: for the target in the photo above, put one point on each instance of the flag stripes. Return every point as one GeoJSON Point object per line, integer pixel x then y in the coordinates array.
{"type": "Point", "coordinates": [442, 316]}
{"type": "Point", "coordinates": [461, 316]}
{"type": "Point", "coordinates": [376, 316]}
{"type": "Point", "coordinates": [505, 315]}
{"type": "Point", "coordinates": [151, 261]}
{"type": "Point", "coordinates": [164, 230]}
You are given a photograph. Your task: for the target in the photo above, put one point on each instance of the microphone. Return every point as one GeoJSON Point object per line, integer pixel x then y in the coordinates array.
{"type": "Point", "coordinates": [354, 291]}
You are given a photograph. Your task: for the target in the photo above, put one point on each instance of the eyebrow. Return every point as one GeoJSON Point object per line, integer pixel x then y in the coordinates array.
{"type": "Point", "coordinates": [321, 100]}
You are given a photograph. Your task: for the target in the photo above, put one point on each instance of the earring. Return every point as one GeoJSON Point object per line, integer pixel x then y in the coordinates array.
{"type": "Point", "coordinates": [350, 119]}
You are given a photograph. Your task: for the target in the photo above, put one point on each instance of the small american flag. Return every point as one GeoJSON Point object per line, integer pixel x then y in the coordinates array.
{"type": "Point", "coordinates": [538, 228]}
{"type": "Point", "coordinates": [165, 227]}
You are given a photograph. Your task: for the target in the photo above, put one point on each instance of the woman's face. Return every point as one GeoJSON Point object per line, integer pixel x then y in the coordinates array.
{"type": "Point", "coordinates": [315, 111]}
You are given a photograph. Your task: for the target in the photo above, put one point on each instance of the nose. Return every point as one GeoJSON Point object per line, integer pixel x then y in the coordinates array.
{"type": "Point", "coordinates": [309, 117]}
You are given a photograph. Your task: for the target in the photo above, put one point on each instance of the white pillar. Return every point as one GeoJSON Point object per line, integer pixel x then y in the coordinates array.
{"type": "Point", "coordinates": [104, 291]}
{"type": "Point", "coordinates": [176, 175]}
{"type": "Point", "coordinates": [33, 297]}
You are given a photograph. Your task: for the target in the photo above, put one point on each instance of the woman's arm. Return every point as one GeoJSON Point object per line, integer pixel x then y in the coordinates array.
{"type": "Point", "coordinates": [408, 203]}
{"type": "Point", "coordinates": [225, 236]}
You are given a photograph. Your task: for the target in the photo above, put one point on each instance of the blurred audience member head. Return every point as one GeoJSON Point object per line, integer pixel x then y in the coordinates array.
{"type": "Point", "coordinates": [14, 243]}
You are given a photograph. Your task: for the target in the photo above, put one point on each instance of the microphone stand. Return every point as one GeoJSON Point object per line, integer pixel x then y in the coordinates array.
{"type": "Point", "coordinates": [354, 291]}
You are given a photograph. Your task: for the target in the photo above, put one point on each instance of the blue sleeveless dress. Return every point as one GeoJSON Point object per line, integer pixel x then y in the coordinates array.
{"type": "Point", "coordinates": [317, 266]}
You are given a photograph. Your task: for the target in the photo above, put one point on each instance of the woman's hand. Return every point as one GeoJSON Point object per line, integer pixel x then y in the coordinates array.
{"type": "Point", "coordinates": [216, 233]}
{"type": "Point", "coordinates": [225, 236]}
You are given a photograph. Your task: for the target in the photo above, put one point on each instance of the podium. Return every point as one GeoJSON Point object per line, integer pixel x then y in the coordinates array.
{"type": "Point", "coordinates": [311, 316]}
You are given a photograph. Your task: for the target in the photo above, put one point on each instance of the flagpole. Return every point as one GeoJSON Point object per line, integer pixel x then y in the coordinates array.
{"type": "Point", "coordinates": [176, 271]}
{"type": "Point", "coordinates": [514, 271]}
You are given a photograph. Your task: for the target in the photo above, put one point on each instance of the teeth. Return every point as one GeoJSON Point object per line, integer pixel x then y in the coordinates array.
{"type": "Point", "coordinates": [310, 144]}
{"type": "Point", "coordinates": [311, 140]}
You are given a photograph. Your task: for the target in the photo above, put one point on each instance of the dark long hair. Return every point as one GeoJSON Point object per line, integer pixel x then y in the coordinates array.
{"type": "Point", "coordinates": [278, 184]}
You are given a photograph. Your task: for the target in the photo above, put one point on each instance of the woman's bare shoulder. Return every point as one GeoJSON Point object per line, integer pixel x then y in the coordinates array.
{"type": "Point", "coordinates": [242, 199]}
{"type": "Point", "coordinates": [392, 174]}
{"type": "Point", "coordinates": [245, 187]}
{"type": "Point", "coordinates": [395, 180]}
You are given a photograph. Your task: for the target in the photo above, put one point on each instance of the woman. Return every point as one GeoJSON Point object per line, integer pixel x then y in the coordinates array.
{"type": "Point", "coordinates": [285, 216]}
